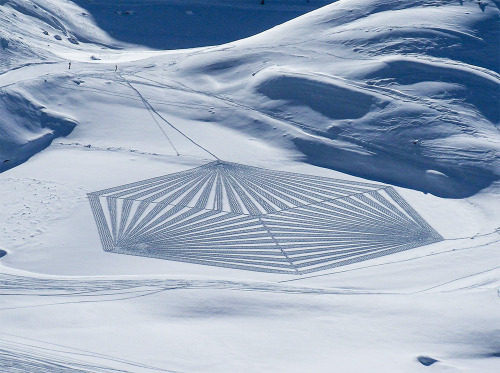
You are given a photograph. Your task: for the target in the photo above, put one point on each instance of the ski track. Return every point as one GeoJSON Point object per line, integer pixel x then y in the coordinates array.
{"type": "Point", "coordinates": [89, 147]}
{"type": "Point", "coordinates": [98, 289]}
{"type": "Point", "coordinates": [21, 355]}
{"type": "Point", "coordinates": [16, 285]}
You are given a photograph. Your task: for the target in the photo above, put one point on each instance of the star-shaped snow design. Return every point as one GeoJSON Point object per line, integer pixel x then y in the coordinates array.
{"type": "Point", "coordinates": [237, 216]}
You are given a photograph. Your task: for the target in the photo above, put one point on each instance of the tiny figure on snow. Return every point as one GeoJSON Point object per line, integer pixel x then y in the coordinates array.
{"type": "Point", "coordinates": [69, 66]}
{"type": "Point", "coordinates": [116, 67]}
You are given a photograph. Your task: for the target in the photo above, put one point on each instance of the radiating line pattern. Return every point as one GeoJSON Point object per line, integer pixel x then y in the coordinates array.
{"type": "Point", "coordinates": [237, 216]}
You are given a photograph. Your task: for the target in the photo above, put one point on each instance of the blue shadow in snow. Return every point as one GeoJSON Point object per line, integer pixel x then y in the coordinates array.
{"type": "Point", "coordinates": [171, 25]}
{"type": "Point", "coordinates": [399, 170]}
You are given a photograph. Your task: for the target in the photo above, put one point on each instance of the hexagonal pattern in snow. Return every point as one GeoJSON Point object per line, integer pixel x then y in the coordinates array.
{"type": "Point", "coordinates": [237, 216]}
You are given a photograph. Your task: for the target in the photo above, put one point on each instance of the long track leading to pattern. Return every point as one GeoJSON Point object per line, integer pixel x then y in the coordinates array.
{"type": "Point", "coordinates": [237, 216]}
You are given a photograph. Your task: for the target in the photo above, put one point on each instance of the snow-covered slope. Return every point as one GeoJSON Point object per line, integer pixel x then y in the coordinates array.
{"type": "Point", "coordinates": [404, 92]}
{"type": "Point", "coordinates": [399, 92]}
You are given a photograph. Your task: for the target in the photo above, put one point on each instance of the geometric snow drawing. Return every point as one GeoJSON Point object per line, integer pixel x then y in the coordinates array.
{"type": "Point", "coordinates": [232, 215]}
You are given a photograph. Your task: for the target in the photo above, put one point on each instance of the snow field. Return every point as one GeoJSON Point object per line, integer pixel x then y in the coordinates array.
{"type": "Point", "coordinates": [399, 94]}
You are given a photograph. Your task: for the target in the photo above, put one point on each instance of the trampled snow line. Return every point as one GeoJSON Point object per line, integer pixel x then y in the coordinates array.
{"type": "Point", "coordinates": [84, 287]}
{"type": "Point", "coordinates": [137, 294]}
{"type": "Point", "coordinates": [236, 216]}
{"type": "Point", "coordinates": [33, 355]}
{"type": "Point", "coordinates": [458, 279]}
{"type": "Point", "coordinates": [152, 109]}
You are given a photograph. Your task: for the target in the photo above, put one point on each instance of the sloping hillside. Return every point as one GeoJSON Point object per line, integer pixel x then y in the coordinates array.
{"type": "Point", "coordinates": [400, 92]}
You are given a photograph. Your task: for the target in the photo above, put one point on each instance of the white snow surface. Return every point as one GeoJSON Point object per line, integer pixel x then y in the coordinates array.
{"type": "Point", "coordinates": [404, 93]}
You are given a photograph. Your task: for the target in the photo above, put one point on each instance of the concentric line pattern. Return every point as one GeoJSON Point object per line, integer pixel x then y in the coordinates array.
{"type": "Point", "coordinates": [232, 215]}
